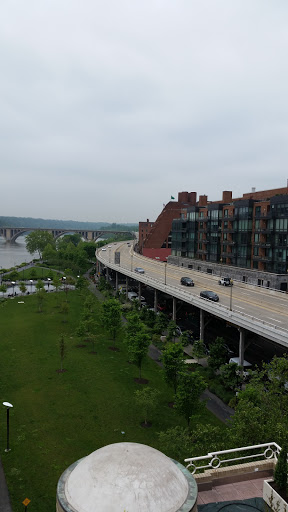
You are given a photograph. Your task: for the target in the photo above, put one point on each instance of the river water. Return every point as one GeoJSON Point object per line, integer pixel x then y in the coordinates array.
{"type": "Point", "coordinates": [12, 254]}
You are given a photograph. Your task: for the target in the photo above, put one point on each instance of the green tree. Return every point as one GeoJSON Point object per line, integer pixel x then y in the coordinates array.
{"type": "Point", "coordinates": [180, 443]}
{"type": "Point", "coordinates": [198, 349]}
{"type": "Point", "coordinates": [62, 349]}
{"type": "Point", "coordinates": [230, 376]}
{"type": "Point", "coordinates": [185, 338]}
{"type": "Point", "coordinates": [171, 331]}
{"type": "Point", "coordinates": [187, 397]}
{"type": "Point", "coordinates": [261, 412]}
{"type": "Point", "coordinates": [39, 285]}
{"type": "Point", "coordinates": [56, 282]}
{"type": "Point", "coordinates": [49, 254]}
{"type": "Point", "coordinates": [41, 296]}
{"type": "Point", "coordinates": [147, 399]}
{"type": "Point", "coordinates": [173, 363]}
{"type": "Point", "coordinates": [81, 284]}
{"type": "Point", "coordinates": [218, 353]}
{"type": "Point", "coordinates": [33, 273]}
{"type": "Point", "coordinates": [138, 347]}
{"type": "Point", "coordinates": [281, 469]}
{"type": "Point", "coordinates": [111, 317]}
{"type": "Point", "coordinates": [3, 288]}
{"type": "Point", "coordinates": [160, 323]}
{"type": "Point", "coordinates": [36, 241]}
{"type": "Point", "coordinates": [22, 287]}
{"type": "Point", "coordinates": [277, 373]}
{"type": "Point", "coordinates": [148, 316]}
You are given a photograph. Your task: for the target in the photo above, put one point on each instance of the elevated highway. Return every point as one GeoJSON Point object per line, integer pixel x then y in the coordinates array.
{"type": "Point", "coordinates": [262, 311]}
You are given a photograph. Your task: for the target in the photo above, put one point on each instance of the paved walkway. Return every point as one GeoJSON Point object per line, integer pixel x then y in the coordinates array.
{"type": "Point", "coordinates": [234, 491]}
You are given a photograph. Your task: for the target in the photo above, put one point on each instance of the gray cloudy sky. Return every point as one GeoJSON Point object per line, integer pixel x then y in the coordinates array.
{"type": "Point", "coordinates": [109, 107]}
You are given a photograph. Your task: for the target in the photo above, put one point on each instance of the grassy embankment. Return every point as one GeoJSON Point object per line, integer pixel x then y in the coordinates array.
{"type": "Point", "coordinates": [58, 418]}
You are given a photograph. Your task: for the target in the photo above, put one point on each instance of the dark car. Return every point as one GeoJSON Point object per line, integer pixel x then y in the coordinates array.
{"type": "Point", "coordinates": [209, 295]}
{"type": "Point", "coordinates": [187, 281]}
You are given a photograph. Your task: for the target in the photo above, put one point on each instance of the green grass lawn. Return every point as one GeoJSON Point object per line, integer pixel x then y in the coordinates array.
{"type": "Point", "coordinates": [58, 418]}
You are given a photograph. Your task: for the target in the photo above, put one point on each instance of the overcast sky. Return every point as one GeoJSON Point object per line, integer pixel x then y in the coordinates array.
{"type": "Point", "coordinates": [107, 108]}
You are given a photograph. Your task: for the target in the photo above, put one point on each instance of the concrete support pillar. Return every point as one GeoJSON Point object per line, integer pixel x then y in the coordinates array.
{"type": "Point", "coordinates": [241, 345]}
{"type": "Point", "coordinates": [107, 274]}
{"type": "Point", "coordinates": [116, 283]}
{"type": "Point", "coordinates": [139, 291]}
{"type": "Point", "coordinates": [202, 315]}
{"type": "Point", "coordinates": [155, 300]}
{"type": "Point", "coordinates": [126, 287]}
{"type": "Point", "coordinates": [174, 309]}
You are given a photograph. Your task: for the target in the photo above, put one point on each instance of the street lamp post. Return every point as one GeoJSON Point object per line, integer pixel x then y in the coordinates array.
{"type": "Point", "coordinates": [13, 284]}
{"type": "Point", "coordinates": [8, 407]}
{"type": "Point", "coordinates": [48, 279]}
{"type": "Point", "coordinates": [31, 283]}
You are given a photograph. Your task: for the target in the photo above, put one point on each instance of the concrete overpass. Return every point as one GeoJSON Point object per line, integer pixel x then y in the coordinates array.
{"type": "Point", "coordinates": [261, 311]}
{"type": "Point", "coordinates": [11, 234]}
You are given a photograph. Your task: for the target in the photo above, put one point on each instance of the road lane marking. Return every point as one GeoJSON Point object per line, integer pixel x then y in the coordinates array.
{"type": "Point", "coordinates": [274, 320]}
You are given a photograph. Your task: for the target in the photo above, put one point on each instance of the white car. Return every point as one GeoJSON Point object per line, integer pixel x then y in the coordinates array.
{"type": "Point", "coordinates": [139, 270]}
{"type": "Point", "coordinates": [103, 249]}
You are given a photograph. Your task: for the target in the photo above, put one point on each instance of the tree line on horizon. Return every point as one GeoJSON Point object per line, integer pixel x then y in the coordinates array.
{"type": "Point", "coordinates": [29, 222]}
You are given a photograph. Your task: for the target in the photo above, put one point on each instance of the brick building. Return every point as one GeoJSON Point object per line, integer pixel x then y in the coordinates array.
{"type": "Point", "coordinates": [248, 232]}
{"type": "Point", "coordinates": [155, 237]}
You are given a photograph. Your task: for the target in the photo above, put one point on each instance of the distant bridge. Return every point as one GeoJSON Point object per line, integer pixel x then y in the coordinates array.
{"type": "Point", "coordinates": [11, 234]}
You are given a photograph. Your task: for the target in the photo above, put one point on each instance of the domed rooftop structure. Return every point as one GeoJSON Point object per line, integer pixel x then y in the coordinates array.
{"type": "Point", "coordinates": [128, 477]}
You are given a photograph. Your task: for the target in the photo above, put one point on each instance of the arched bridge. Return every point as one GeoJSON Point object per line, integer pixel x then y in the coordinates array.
{"type": "Point", "coordinates": [11, 234]}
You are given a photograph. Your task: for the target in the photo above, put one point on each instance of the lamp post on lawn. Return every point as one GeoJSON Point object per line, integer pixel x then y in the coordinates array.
{"type": "Point", "coordinates": [13, 284]}
{"type": "Point", "coordinates": [31, 283]}
{"type": "Point", "coordinates": [48, 279]}
{"type": "Point", "coordinates": [8, 407]}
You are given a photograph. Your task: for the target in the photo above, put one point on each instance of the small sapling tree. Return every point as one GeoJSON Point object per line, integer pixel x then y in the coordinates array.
{"type": "Point", "coordinates": [147, 399]}
{"type": "Point", "coordinates": [173, 363]}
{"type": "Point", "coordinates": [187, 397]}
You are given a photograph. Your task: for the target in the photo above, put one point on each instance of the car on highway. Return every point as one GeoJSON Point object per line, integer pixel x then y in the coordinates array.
{"type": "Point", "coordinates": [225, 281]}
{"type": "Point", "coordinates": [103, 249]}
{"type": "Point", "coordinates": [207, 294]}
{"type": "Point", "coordinates": [186, 281]}
{"type": "Point", "coordinates": [139, 270]}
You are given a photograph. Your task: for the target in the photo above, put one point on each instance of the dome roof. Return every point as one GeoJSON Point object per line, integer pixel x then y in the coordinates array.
{"type": "Point", "coordinates": [128, 477]}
